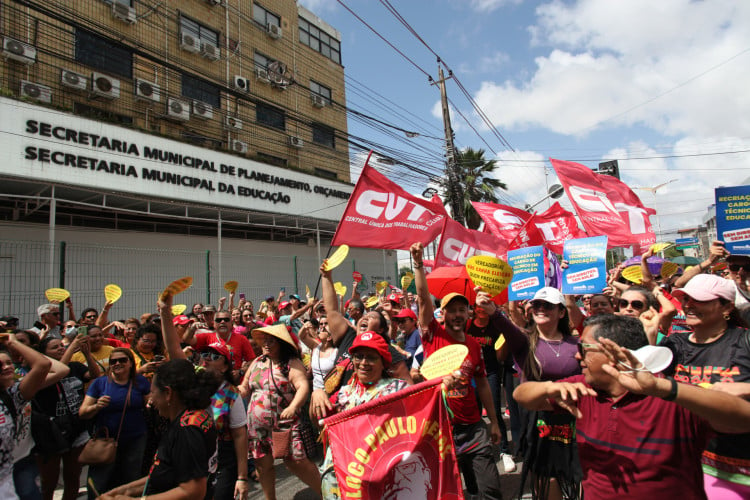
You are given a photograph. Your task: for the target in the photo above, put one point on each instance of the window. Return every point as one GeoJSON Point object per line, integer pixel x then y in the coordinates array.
{"type": "Point", "coordinates": [262, 61]}
{"type": "Point", "coordinates": [102, 54]}
{"type": "Point", "coordinates": [326, 173]}
{"type": "Point", "coordinates": [323, 135]}
{"type": "Point", "coordinates": [195, 88]}
{"type": "Point", "coordinates": [270, 159]}
{"type": "Point", "coordinates": [270, 115]}
{"type": "Point", "coordinates": [321, 90]}
{"type": "Point", "coordinates": [263, 17]}
{"type": "Point", "coordinates": [319, 41]}
{"type": "Point", "coordinates": [203, 33]}
{"type": "Point", "coordinates": [129, 3]}
{"type": "Point", "coordinates": [101, 114]}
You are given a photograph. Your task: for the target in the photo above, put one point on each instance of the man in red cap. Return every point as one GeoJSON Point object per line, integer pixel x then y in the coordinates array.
{"type": "Point", "coordinates": [472, 444]}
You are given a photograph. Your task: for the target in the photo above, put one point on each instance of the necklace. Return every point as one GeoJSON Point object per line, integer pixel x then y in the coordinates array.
{"type": "Point", "coordinates": [557, 352]}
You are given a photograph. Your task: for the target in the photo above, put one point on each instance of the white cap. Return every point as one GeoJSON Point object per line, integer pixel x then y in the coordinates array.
{"type": "Point", "coordinates": [549, 294]}
{"type": "Point", "coordinates": [654, 358]}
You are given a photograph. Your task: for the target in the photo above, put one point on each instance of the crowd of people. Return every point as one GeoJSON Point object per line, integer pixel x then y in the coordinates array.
{"type": "Point", "coordinates": [200, 405]}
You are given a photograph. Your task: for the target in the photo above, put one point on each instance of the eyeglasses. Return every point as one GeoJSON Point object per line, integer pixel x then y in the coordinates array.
{"type": "Point", "coordinates": [370, 358]}
{"type": "Point", "coordinates": [90, 316]}
{"type": "Point", "coordinates": [736, 267]}
{"type": "Point", "coordinates": [222, 320]}
{"type": "Point", "coordinates": [637, 304]}
{"type": "Point", "coordinates": [213, 356]}
{"type": "Point", "coordinates": [543, 304]}
{"type": "Point", "coordinates": [117, 361]}
{"type": "Point", "coordinates": [583, 348]}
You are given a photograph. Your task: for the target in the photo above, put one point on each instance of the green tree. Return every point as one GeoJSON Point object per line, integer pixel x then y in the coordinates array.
{"type": "Point", "coordinates": [475, 183]}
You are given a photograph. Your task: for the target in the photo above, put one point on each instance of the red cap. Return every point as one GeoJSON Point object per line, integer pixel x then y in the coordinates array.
{"type": "Point", "coordinates": [181, 320]}
{"type": "Point", "coordinates": [395, 297]}
{"type": "Point", "coordinates": [283, 305]}
{"type": "Point", "coordinates": [221, 348]}
{"type": "Point", "coordinates": [406, 313]}
{"type": "Point", "coordinates": [373, 341]}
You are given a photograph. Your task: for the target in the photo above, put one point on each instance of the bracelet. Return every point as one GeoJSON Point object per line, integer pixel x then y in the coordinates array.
{"type": "Point", "coordinates": [672, 391]}
{"type": "Point", "coordinates": [418, 266]}
{"type": "Point", "coordinates": [244, 479]}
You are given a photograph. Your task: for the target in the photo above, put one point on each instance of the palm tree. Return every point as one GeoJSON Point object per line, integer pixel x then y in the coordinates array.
{"type": "Point", "coordinates": [475, 183]}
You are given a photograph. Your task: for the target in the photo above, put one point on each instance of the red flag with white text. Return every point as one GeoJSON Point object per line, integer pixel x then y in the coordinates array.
{"type": "Point", "coordinates": [458, 243]}
{"type": "Point", "coordinates": [507, 223]}
{"type": "Point", "coordinates": [380, 214]}
{"type": "Point", "coordinates": [557, 225]}
{"type": "Point", "coordinates": [397, 446]}
{"type": "Point", "coordinates": [606, 205]}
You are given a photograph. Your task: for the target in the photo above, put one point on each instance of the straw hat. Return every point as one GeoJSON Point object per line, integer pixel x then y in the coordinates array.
{"type": "Point", "coordinates": [279, 331]}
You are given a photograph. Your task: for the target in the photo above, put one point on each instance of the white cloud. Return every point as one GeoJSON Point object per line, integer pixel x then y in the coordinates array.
{"type": "Point", "coordinates": [490, 5]}
{"type": "Point", "coordinates": [318, 6]}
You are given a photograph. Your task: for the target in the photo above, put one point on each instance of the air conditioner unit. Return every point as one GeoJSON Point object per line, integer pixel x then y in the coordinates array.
{"type": "Point", "coordinates": [241, 83]}
{"type": "Point", "coordinates": [178, 110]}
{"type": "Point", "coordinates": [278, 81]}
{"type": "Point", "coordinates": [18, 51]}
{"type": "Point", "coordinates": [274, 30]}
{"type": "Point", "coordinates": [123, 12]}
{"type": "Point", "coordinates": [238, 146]}
{"type": "Point", "coordinates": [73, 80]}
{"type": "Point", "coordinates": [35, 91]}
{"type": "Point", "coordinates": [296, 141]}
{"type": "Point", "coordinates": [105, 86]}
{"type": "Point", "coordinates": [210, 51]}
{"type": "Point", "coordinates": [190, 43]}
{"type": "Point", "coordinates": [202, 110]}
{"type": "Point", "coordinates": [317, 100]}
{"type": "Point", "coordinates": [233, 123]}
{"type": "Point", "coordinates": [262, 74]}
{"type": "Point", "coordinates": [146, 90]}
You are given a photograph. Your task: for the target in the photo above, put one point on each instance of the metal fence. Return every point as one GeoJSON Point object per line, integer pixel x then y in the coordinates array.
{"type": "Point", "coordinates": [28, 268]}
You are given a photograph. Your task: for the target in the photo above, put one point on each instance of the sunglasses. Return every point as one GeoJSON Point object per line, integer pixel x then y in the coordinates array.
{"type": "Point", "coordinates": [543, 304]}
{"type": "Point", "coordinates": [222, 320]}
{"type": "Point", "coordinates": [213, 356]}
{"type": "Point", "coordinates": [637, 304]}
{"type": "Point", "coordinates": [583, 348]}
{"type": "Point", "coordinates": [736, 267]}
{"type": "Point", "coordinates": [117, 361]}
{"type": "Point", "coordinates": [371, 358]}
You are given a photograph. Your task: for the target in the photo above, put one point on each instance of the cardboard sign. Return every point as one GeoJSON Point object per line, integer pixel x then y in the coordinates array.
{"type": "Point", "coordinates": [357, 276]}
{"type": "Point", "coordinates": [337, 258]}
{"type": "Point", "coordinates": [733, 218]}
{"type": "Point", "coordinates": [56, 294]}
{"type": "Point", "coordinates": [587, 265]}
{"type": "Point", "coordinates": [340, 289]}
{"type": "Point", "coordinates": [633, 274]}
{"type": "Point", "coordinates": [444, 361]}
{"type": "Point", "coordinates": [660, 247]}
{"type": "Point", "coordinates": [379, 287]}
{"type": "Point", "coordinates": [528, 272]}
{"type": "Point", "coordinates": [231, 286]}
{"type": "Point", "coordinates": [178, 309]}
{"type": "Point", "coordinates": [406, 280]}
{"type": "Point", "coordinates": [668, 269]}
{"type": "Point", "coordinates": [490, 273]}
{"type": "Point", "coordinates": [371, 302]}
{"type": "Point", "coordinates": [177, 286]}
{"type": "Point", "coordinates": [112, 293]}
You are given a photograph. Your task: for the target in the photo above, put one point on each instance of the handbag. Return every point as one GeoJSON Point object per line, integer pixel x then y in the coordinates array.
{"type": "Point", "coordinates": [103, 450]}
{"type": "Point", "coordinates": [52, 435]}
{"type": "Point", "coordinates": [281, 438]}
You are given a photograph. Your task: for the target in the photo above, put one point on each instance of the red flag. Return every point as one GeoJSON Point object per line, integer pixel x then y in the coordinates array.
{"type": "Point", "coordinates": [509, 224]}
{"type": "Point", "coordinates": [458, 243]}
{"type": "Point", "coordinates": [606, 205]}
{"type": "Point", "coordinates": [380, 214]}
{"type": "Point", "coordinates": [557, 225]}
{"type": "Point", "coordinates": [397, 446]}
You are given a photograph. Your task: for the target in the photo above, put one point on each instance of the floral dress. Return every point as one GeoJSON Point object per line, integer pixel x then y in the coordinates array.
{"type": "Point", "coordinates": [351, 396]}
{"type": "Point", "coordinates": [264, 406]}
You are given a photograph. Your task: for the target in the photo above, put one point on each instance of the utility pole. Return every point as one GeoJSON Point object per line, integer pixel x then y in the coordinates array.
{"type": "Point", "coordinates": [455, 190]}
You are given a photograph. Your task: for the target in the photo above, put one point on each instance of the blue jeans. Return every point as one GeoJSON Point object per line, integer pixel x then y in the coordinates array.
{"type": "Point", "coordinates": [26, 479]}
{"type": "Point", "coordinates": [126, 467]}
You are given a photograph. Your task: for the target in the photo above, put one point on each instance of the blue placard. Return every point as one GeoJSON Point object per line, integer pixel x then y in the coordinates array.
{"type": "Point", "coordinates": [528, 272]}
{"type": "Point", "coordinates": [587, 265]}
{"type": "Point", "coordinates": [733, 218]}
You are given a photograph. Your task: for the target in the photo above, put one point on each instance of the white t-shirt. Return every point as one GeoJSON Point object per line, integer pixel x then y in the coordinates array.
{"type": "Point", "coordinates": [321, 366]}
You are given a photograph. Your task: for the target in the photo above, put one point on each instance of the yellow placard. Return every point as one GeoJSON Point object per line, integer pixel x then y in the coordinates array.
{"type": "Point", "coordinates": [337, 258]}
{"type": "Point", "coordinates": [371, 302]}
{"type": "Point", "coordinates": [177, 286]}
{"type": "Point", "coordinates": [633, 274]}
{"type": "Point", "coordinates": [231, 286]}
{"type": "Point", "coordinates": [178, 309]}
{"type": "Point", "coordinates": [500, 342]}
{"type": "Point", "coordinates": [56, 294]}
{"type": "Point", "coordinates": [406, 281]}
{"type": "Point", "coordinates": [668, 269]}
{"type": "Point", "coordinates": [340, 289]}
{"type": "Point", "coordinates": [112, 293]}
{"type": "Point", "coordinates": [444, 361]}
{"type": "Point", "coordinates": [660, 247]}
{"type": "Point", "coordinates": [490, 273]}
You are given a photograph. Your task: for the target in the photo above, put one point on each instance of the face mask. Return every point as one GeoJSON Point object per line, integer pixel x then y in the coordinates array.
{"type": "Point", "coordinates": [71, 330]}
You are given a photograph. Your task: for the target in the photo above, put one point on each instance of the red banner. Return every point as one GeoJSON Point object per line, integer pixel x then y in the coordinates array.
{"type": "Point", "coordinates": [606, 205]}
{"type": "Point", "coordinates": [557, 225]}
{"type": "Point", "coordinates": [397, 446]}
{"type": "Point", "coordinates": [380, 214]}
{"type": "Point", "coordinates": [458, 243]}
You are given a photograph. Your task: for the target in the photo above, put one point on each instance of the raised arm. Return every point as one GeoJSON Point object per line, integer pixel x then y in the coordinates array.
{"type": "Point", "coordinates": [168, 331]}
{"type": "Point", "coordinates": [424, 299]}
{"type": "Point", "coordinates": [715, 254]}
{"type": "Point", "coordinates": [337, 323]}
{"type": "Point", "coordinates": [101, 321]}
{"type": "Point", "coordinates": [39, 363]}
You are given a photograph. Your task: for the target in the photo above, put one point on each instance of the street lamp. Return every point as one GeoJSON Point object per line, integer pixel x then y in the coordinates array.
{"type": "Point", "coordinates": [653, 190]}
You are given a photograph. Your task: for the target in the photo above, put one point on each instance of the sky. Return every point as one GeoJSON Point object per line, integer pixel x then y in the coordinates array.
{"type": "Point", "coordinates": [659, 86]}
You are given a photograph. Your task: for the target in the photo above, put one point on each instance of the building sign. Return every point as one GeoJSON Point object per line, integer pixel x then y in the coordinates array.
{"type": "Point", "coordinates": [57, 147]}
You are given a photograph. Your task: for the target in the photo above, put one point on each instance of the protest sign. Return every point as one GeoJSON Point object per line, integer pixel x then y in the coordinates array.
{"type": "Point", "coordinates": [528, 272]}
{"type": "Point", "coordinates": [733, 218]}
{"type": "Point", "coordinates": [587, 265]}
